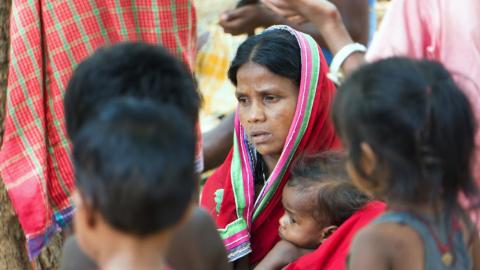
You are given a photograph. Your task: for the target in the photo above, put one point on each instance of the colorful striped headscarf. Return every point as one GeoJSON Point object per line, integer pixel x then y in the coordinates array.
{"type": "Point", "coordinates": [48, 39]}
{"type": "Point", "coordinates": [251, 226]}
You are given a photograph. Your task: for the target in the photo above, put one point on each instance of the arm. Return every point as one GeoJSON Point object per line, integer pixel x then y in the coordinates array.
{"type": "Point", "coordinates": [386, 246]}
{"type": "Point", "coordinates": [355, 16]}
{"type": "Point", "coordinates": [325, 16]}
{"type": "Point", "coordinates": [403, 20]}
{"type": "Point", "coordinates": [246, 19]}
{"type": "Point", "coordinates": [367, 252]}
{"type": "Point", "coordinates": [198, 240]}
{"type": "Point", "coordinates": [281, 255]}
{"type": "Point", "coordinates": [217, 143]}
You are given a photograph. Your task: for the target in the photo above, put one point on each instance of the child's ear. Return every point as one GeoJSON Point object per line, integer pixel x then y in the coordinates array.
{"type": "Point", "coordinates": [369, 159]}
{"type": "Point", "coordinates": [187, 214]}
{"type": "Point", "coordinates": [327, 231]}
{"type": "Point", "coordinates": [88, 212]}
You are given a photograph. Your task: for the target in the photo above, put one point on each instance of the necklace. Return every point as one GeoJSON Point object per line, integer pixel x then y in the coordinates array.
{"type": "Point", "coordinates": [444, 248]}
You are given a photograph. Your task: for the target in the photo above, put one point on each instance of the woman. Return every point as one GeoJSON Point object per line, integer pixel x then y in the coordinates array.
{"type": "Point", "coordinates": [284, 101]}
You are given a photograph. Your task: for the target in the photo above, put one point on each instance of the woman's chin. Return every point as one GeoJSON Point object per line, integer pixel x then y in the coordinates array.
{"type": "Point", "coordinates": [266, 150]}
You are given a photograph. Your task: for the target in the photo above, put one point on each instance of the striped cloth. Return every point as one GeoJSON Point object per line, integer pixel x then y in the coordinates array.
{"type": "Point", "coordinates": [249, 224]}
{"type": "Point", "coordinates": [48, 39]}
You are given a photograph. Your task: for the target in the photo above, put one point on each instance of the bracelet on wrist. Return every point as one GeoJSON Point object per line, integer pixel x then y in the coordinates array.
{"type": "Point", "coordinates": [335, 73]}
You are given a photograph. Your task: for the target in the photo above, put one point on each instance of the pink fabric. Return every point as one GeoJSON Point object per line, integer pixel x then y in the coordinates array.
{"type": "Point", "coordinates": [447, 31]}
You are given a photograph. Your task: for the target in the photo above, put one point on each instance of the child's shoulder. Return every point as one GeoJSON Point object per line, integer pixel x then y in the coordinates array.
{"type": "Point", "coordinates": [385, 246]}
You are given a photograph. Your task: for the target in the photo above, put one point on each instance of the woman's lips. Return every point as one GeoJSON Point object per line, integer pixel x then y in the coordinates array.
{"type": "Point", "coordinates": [260, 137]}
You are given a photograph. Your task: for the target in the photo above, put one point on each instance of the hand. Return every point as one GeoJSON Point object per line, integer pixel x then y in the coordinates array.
{"type": "Point", "coordinates": [245, 19]}
{"type": "Point", "coordinates": [298, 10]}
{"type": "Point", "coordinates": [285, 8]}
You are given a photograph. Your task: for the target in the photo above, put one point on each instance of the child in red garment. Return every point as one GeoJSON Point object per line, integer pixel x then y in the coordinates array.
{"type": "Point", "coordinates": [317, 200]}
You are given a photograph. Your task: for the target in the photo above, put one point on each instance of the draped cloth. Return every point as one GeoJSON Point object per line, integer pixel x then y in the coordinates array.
{"type": "Point", "coordinates": [48, 39]}
{"type": "Point", "coordinates": [332, 253]}
{"type": "Point", "coordinates": [249, 225]}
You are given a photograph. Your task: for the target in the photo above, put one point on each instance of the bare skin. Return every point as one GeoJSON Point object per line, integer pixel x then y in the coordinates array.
{"type": "Point", "coordinates": [246, 19]}
{"type": "Point", "coordinates": [197, 245]}
{"type": "Point", "coordinates": [196, 240]}
{"type": "Point", "coordinates": [327, 19]}
{"type": "Point", "coordinates": [329, 30]}
{"type": "Point", "coordinates": [394, 246]}
{"type": "Point", "coordinates": [266, 106]}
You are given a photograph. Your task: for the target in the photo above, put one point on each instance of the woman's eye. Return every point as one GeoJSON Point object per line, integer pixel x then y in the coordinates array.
{"type": "Point", "coordinates": [242, 100]}
{"type": "Point", "coordinates": [271, 98]}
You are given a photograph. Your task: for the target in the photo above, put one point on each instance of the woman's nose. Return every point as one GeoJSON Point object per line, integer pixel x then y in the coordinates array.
{"type": "Point", "coordinates": [256, 113]}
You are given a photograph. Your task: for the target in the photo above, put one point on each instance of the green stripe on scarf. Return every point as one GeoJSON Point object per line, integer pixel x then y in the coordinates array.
{"type": "Point", "coordinates": [306, 118]}
{"type": "Point", "coordinates": [238, 186]}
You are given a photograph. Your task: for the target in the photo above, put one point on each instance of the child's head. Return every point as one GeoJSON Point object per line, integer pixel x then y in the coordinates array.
{"type": "Point", "coordinates": [317, 199]}
{"type": "Point", "coordinates": [134, 166]}
{"type": "Point", "coordinates": [409, 130]}
{"type": "Point", "coordinates": [128, 69]}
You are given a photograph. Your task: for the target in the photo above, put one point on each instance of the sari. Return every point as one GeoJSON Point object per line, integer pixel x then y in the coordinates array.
{"type": "Point", "coordinates": [48, 40]}
{"type": "Point", "coordinates": [248, 225]}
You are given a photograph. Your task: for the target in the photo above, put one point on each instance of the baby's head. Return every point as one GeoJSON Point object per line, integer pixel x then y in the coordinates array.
{"type": "Point", "coordinates": [317, 199]}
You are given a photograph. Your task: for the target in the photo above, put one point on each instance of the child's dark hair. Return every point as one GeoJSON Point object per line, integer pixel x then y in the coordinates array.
{"type": "Point", "coordinates": [418, 123]}
{"type": "Point", "coordinates": [336, 199]}
{"type": "Point", "coordinates": [128, 69]}
{"type": "Point", "coordinates": [134, 164]}
{"type": "Point", "coordinates": [276, 49]}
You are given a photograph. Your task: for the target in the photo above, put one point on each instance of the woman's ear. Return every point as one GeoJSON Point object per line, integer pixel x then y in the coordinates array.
{"type": "Point", "coordinates": [326, 232]}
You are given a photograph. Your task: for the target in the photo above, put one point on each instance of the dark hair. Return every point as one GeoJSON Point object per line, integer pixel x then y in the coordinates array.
{"type": "Point", "coordinates": [418, 123]}
{"type": "Point", "coordinates": [128, 69]}
{"type": "Point", "coordinates": [335, 198]}
{"type": "Point", "coordinates": [277, 50]}
{"type": "Point", "coordinates": [134, 164]}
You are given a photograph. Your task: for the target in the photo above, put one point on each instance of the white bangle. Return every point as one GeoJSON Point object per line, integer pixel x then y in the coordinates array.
{"type": "Point", "coordinates": [335, 74]}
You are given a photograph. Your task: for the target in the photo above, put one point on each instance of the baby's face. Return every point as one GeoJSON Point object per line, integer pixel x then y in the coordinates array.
{"type": "Point", "coordinates": [298, 225]}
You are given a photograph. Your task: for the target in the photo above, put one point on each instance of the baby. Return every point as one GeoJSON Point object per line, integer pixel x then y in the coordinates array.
{"type": "Point", "coordinates": [317, 200]}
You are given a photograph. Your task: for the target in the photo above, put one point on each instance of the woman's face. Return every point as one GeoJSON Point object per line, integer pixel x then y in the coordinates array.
{"type": "Point", "coordinates": [266, 106]}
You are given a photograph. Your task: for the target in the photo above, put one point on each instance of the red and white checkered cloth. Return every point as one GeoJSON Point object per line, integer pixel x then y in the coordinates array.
{"type": "Point", "coordinates": [48, 39]}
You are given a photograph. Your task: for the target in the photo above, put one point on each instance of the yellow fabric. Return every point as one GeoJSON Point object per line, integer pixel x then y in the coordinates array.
{"type": "Point", "coordinates": [208, 12]}
{"type": "Point", "coordinates": [211, 68]}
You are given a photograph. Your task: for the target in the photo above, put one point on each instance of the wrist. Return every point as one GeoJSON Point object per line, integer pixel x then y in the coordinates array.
{"type": "Point", "coordinates": [348, 51]}
{"type": "Point", "coordinates": [335, 34]}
